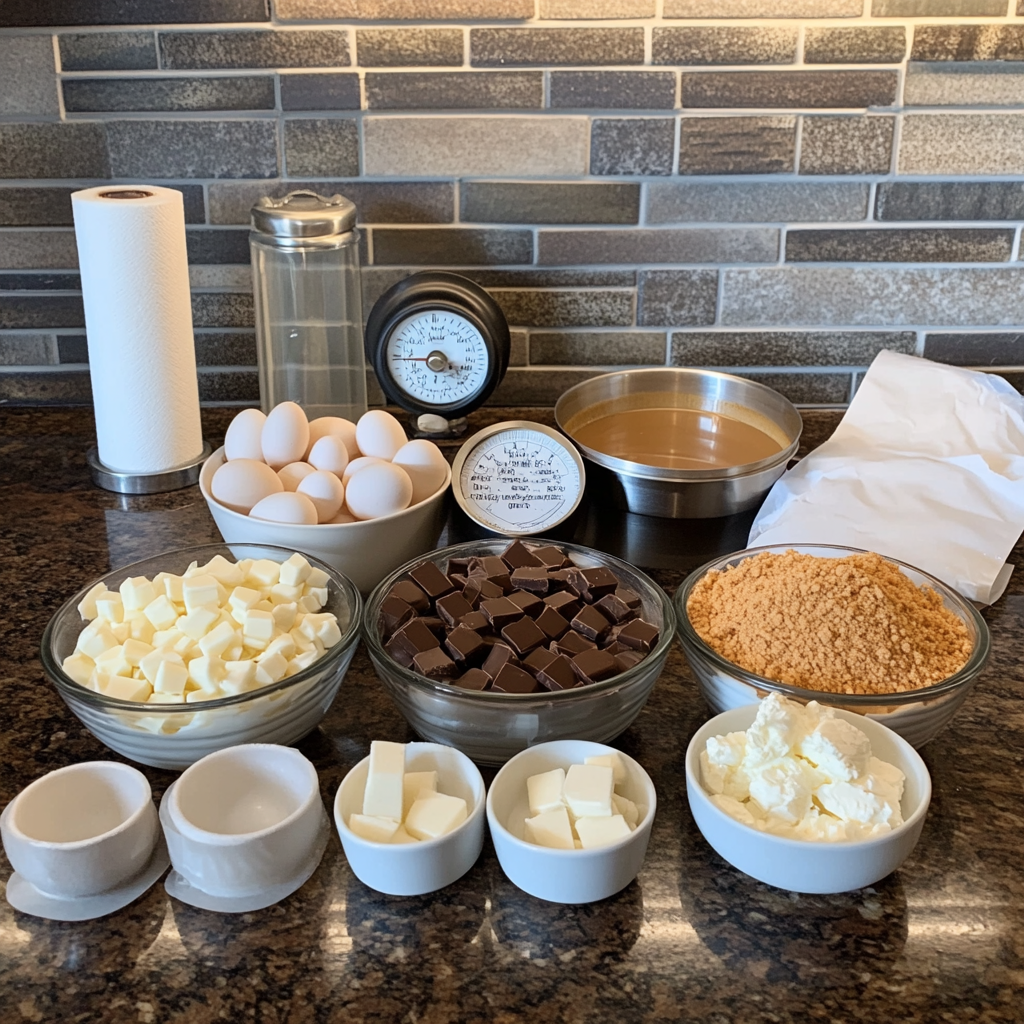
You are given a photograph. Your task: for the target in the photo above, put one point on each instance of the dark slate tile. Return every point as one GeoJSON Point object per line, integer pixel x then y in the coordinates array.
{"type": "Point", "coordinates": [606, 348]}
{"type": "Point", "coordinates": [454, 90]}
{"type": "Point", "coordinates": [901, 245]}
{"type": "Point", "coordinates": [806, 388]}
{"type": "Point", "coordinates": [217, 245]}
{"type": "Point", "coordinates": [518, 354]}
{"type": "Point", "coordinates": [36, 249]}
{"type": "Point", "coordinates": [39, 282]}
{"type": "Point", "coordinates": [508, 47]}
{"type": "Point", "coordinates": [320, 92]}
{"type": "Point", "coordinates": [225, 349]}
{"type": "Point", "coordinates": [302, 48]}
{"type": "Point", "coordinates": [786, 348]}
{"type": "Point", "coordinates": [321, 146]}
{"type": "Point", "coordinates": [726, 44]}
{"type": "Point", "coordinates": [47, 206]}
{"type": "Point", "coordinates": [537, 386]}
{"type": "Point", "coordinates": [222, 309]}
{"type": "Point", "coordinates": [886, 45]}
{"type": "Point", "coordinates": [62, 387]}
{"type": "Point", "coordinates": [949, 200]}
{"type": "Point", "coordinates": [968, 42]}
{"type": "Point", "coordinates": [737, 145]}
{"type": "Point", "coordinates": [632, 145]}
{"type": "Point", "coordinates": [23, 13]}
{"type": "Point", "coordinates": [550, 203]}
{"type": "Point", "coordinates": [405, 10]}
{"type": "Point", "coordinates": [192, 149]}
{"type": "Point", "coordinates": [53, 151]}
{"type": "Point", "coordinates": [677, 298]}
{"type": "Point", "coordinates": [762, 9]}
{"type": "Point", "coordinates": [27, 350]}
{"type": "Point", "coordinates": [613, 90]}
{"type": "Point", "coordinates": [937, 8]}
{"type": "Point", "coordinates": [789, 88]}
{"type": "Point", "coordinates": [1005, 349]}
{"type": "Point", "coordinates": [451, 246]}
{"type": "Point", "coordinates": [32, 312]}
{"type": "Point", "coordinates": [107, 51]}
{"type": "Point", "coordinates": [533, 308]}
{"type": "Point", "coordinates": [144, 94]}
{"type": "Point", "coordinates": [846, 145]}
{"type": "Point", "coordinates": [661, 245]}
{"type": "Point", "coordinates": [553, 277]}
{"type": "Point", "coordinates": [72, 348]}
{"type": "Point", "coordinates": [229, 386]}
{"type": "Point", "coordinates": [409, 47]}
{"type": "Point", "coordinates": [684, 200]}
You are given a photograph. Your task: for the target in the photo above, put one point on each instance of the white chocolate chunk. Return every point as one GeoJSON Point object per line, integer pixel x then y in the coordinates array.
{"type": "Point", "coordinates": [383, 794]}
{"type": "Point", "coordinates": [373, 827]}
{"type": "Point", "coordinates": [136, 592]}
{"type": "Point", "coordinates": [588, 790]}
{"type": "Point", "coordinates": [171, 677]}
{"type": "Point", "coordinates": [435, 814]}
{"type": "Point", "coordinates": [161, 612]}
{"type": "Point", "coordinates": [551, 828]}
{"type": "Point", "coordinates": [87, 606]}
{"type": "Point", "coordinates": [295, 570]}
{"type": "Point", "coordinates": [545, 790]}
{"type": "Point", "coordinates": [415, 783]}
{"type": "Point", "coordinates": [612, 761]}
{"type": "Point", "coordinates": [595, 832]}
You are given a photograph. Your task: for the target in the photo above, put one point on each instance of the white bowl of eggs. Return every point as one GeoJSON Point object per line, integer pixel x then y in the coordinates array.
{"type": "Point", "coordinates": [359, 496]}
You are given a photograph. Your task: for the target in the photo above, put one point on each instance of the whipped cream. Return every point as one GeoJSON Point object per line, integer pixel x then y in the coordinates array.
{"type": "Point", "coordinates": [803, 773]}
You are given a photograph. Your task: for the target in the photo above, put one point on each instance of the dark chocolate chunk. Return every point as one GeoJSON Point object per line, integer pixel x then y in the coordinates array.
{"type": "Point", "coordinates": [474, 679]}
{"type": "Point", "coordinates": [538, 659]}
{"type": "Point", "coordinates": [414, 637]}
{"type": "Point", "coordinates": [517, 555]}
{"type": "Point", "coordinates": [394, 613]}
{"type": "Point", "coordinates": [591, 623]}
{"type": "Point", "coordinates": [616, 648]}
{"type": "Point", "coordinates": [399, 652]}
{"type": "Point", "coordinates": [435, 664]}
{"type": "Point", "coordinates": [627, 596]}
{"type": "Point", "coordinates": [558, 674]}
{"type": "Point", "coordinates": [627, 659]}
{"type": "Point", "coordinates": [532, 578]}
{"type": "Point", "coordinates": [600, 581]}
{"type": "Point", "coordinates": [466, 646]}
{"type": "Point", "coordinates": [552, 624]}
{"type": "Point", "coordinates": [458, 579]}
{"type": "Point", "coordinates": [559, 579]}
{"type": "Point", "coordinates": [572, 643]}
{"type": "Point", "coordinates": [530, 603]}
{"type": "Point", "coordinates": [487, 565]}
{"type": "Point", "coordinates": [431, 580]}
{"type": "Point", "coordinates": [512, 679]}
{"type": "Point", "coordinates": [459, 566]}
{"type": "Point", "coordinates": [523, 635]}
{"type": "Point", "coordinates": [638, 634]}
{"type": "Point", "coordinates": [435, 625]}
{"type": "Point", "coordinates": [497, 658]}
{"type": "Point", "coordinates": [565, 603]}
{"type": "Point", "coordinates": [613, 609]}
{"type": "Point", "coordinates": [550, 556]}
{"type": "Point", "coordinates": [500, 611]}
{"type": "Point", "coordinates": [593, 666]}
{"type": "Point", "coordinates": [475, 620]}
{"type": "Point", "coordinates": [407, 591]}
{"type": "Point", "coordinates": [452, 607]}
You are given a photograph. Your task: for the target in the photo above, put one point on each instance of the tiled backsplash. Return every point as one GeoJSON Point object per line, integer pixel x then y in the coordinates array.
{"type": "Point", "coordinates": [775, 187]}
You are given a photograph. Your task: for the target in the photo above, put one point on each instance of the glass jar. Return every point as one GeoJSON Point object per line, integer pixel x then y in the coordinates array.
{"type": "Point", "coordinates": [308, 304]}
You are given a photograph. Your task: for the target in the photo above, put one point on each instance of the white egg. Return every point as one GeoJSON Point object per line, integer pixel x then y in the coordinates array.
{"type": "Point", "coordinates": [378, 491]}
{"type": "Point", "coordinates": [426, 466]}
{"type": "Point", "coordinates": [294, 473]}
{"type": "Point", "coordinates": [242, 440]}
{"type": "Point", "coordinates": [336, 426]}
{"type": "Point", "coordinates": [379, 434]}
{"type": "Point", "coordinates": [343, 517]}
{"type": "Point", "coordinates": [329, 453]}
{"type": "Point", "coordinates": [326, 492]}
{"type": "Point", "coordinates": [241, 483]}
{"type": "Point", "coordinates": [285, 435]}
{"type": "Point", "coordinates": [286, 507]}
{"type": "Point", "coordinates": [358, 464]}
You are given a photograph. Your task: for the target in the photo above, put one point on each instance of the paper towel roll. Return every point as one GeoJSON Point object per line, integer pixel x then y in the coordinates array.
{"type": "Point", "coordinates": [138, 319]}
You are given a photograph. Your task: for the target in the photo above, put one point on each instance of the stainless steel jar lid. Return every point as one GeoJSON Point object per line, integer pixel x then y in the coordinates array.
{"type": "Point", "coordinates": [304, 214]}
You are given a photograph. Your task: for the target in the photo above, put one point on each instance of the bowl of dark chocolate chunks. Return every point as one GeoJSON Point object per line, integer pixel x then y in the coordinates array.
{"type": "Point", "coordinates": [495, 645]}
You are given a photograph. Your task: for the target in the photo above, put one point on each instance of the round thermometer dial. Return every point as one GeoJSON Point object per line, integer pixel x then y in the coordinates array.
{"type": "Point", "coordinates": [518, 478]}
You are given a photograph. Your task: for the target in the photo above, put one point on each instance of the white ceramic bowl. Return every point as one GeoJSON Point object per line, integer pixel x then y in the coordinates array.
{"type": "Point", "coordinates": [412, 869]}
{"type": "Point", "coordinates": [799, 865]}
{"type": "Point", "coordinates": [565, 876]}
{"type": "Point", "coordinates": [365, 551]}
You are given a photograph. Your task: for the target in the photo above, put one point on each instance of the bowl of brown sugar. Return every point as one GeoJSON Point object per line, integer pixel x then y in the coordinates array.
{"type": "Point", "coordinates": [842, 626]}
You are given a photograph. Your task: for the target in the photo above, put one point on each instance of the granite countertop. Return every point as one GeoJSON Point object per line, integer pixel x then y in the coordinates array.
{"type": "Point", "coordinates": [690, 940]}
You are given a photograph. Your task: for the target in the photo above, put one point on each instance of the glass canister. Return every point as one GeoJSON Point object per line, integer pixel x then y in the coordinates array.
{"type": "Point", "coordinates": [309, 323]}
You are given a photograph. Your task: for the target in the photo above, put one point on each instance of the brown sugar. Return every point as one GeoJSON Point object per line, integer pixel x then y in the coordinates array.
{"type": "Point", "coordinates": [841, 625]}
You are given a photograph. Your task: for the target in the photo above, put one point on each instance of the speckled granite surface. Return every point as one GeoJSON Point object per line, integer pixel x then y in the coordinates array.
{"type": "Point", "coordinates": [690, 940]}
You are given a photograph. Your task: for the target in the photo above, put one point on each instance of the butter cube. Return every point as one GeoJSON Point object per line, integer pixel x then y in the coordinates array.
{"type": "Point", "coordinates": [140, 628]}
{"type": "Point", "coordinates": [219, 639]}
{"type": "Point", "coordinates": [242, 599]}
{"type": "Point", "coordinates": [612, 761]}
{"type": "Point", "coordinates": [79, 667]}
{"type": "Point", "coordinates": [258, 626]}
{"type": "Point", "coordinates": [322, 627]}
{"type": "Point", "coordinates": [285, 615]}
{"type": "Point", "coordinates": [413, 785]}
{"type": "Point", "coordinates": [110, 607]}
{"type": "Point", "coordinates": [588, 790]}
{"type": "Point", "coordinates": [551, 829]}
{"type": "Point", "coordinates": [136, 592]}
{"type": "Point", "coordinates": [198, 696]}
{"type": "Point", "coordinates": [166, 698]}
{"type": "Point", "coordinates": [199, 591]}
{"type": "Point", "coordinates": [383, 794]}
{"type": "Point", "coordinates": [241, 677]}
{"type": "Point", "coordinates": [270, 668]}
{"type": "Point", "coordinates": [121, 630]}
{"type": "Point", "coordinates": [192, 570]}
{"type": "Point", "coordinates": [135, 650]}
{"type": "Point", "coordinates": [230, 574]}
{"type": "Point", "coordinates": [171, 677]}
{"type": "Point", "coordinates": [126, 688]}
{"type": "Point", "coordinates": [207, 673]}
{"type": "Point", "coordinates": [624, 806]}
{"type": "Point", "coordinates": [373, 827]}
{"type": "Point", "coordinates": [595, 832]}
{"type": "Point", "coordinates": [435, 814]}
{"type": "Point", "coordinates": [87, 606]}
{"type": "Point", "coordinates": [173, 587]}
{"type": "Point", "coordinates": [96, 638]}
{"type": "Point", "coordinates": [161, 612]}
{"type": "Point", "coordinates": [295, 570]}
{"type": "Point", "coordinates": [198, 622]}
{"type": "Point", "coordinates": [264, 572]}
{"type": "Point", "coordinates": [166, 638]}
{"type": "Point", "coordinates": [302, 661]}
{"type": "Point", "coordinates": [150, 664]}
{"type": "Point", "coordinates": [402, 837]}
{"type": "Point", "coordinates": [113, 662]}
{"type": "Point", "coordinates": [308, 603]}
{"type": "Point", "coordinates": [283, 593]}
{"type": "Point", "coordinates": [545, 790]}
{"type": "Point", "coordinates": [283, 645]}
{"type": "Point", "coordinates": [185, 646]}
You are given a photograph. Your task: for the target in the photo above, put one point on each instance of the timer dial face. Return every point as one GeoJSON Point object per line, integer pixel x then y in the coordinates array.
{"type": "Point", "coordinates": [437, 357]}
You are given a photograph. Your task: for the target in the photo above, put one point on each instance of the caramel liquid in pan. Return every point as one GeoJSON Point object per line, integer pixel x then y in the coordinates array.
{"type": "Point", "coordinates": [677, 439]}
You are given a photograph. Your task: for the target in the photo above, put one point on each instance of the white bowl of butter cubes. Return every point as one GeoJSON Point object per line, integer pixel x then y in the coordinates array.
{"type": "Point", "coordinates": [191, 651]}
{"type": "Point", "coordinates": [808, 798]}
{"type": "Point", "coordinates": [570, 820]}
{"type": "Point", "coordinates": [411, 817]}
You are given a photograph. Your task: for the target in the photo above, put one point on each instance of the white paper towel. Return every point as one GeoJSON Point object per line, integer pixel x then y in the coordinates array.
{"type": "Point", "coordinates": [927, 466]}
{"type": "Point", "coordinates": [138, 319]}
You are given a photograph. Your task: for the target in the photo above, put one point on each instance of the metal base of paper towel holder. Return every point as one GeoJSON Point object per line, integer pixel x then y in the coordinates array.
{"type": "Point", "coordinates": [146, 483]}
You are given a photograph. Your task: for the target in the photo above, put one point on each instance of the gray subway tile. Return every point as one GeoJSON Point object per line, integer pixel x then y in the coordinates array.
{"type": "Point", "coordinates": [968, 42]}
{"type": "Point", "coordinates": [216, 386]}
{"type": "Point", "coordinates": [549, 202]}
{"type": "Point", "coordinates": [404, 47]}
{"type": "Point", "coordinates": [31, 249]}
{"type": "Point", "coordinates": [192, 149]}
{"type": "Point", "coordinates": [404, 10]}
{"type": "Point", "coordinates": [407, 202]}
{"type": "Point", "coordinates": [535, 308]}
{"type": "Point", "coordinates": [451, 246]}
{"type": "Point", "coordinates": [327, 91]}
{"type": "Point", "coordinates": [298, 48]}
{"type": "Point", "coordinates": [27, 350]}
{"type": "Point", "coordinates": [37, 282]}
{"type": "Point", "coordinates": [873, 296]}
{"type": "Point", "coordinates": [519, 353]}
{"type": "Point", "coordinates": [991, 84]}
{"type": "Point", "coordinates": [632, 145]}
{"type": "Point", "coordinates": [42, 206]}
{"type": "Point", "coordinates": [936, 8]}
{"type": "Point", "coordinates": [236, 348]}
{"type": "Point", "coordinates": [229, 277]}
{"type": "Point", "coordinates": [454, 90]}
{"type": "Point", "coordinates": [254, 92]}
{"type": "Point", "coordinates": [508, 47]}
{"type": "Point", "coordinates": [72, 348]}
{"type": "Point", "coordinates": [677, 298]}
{"type": "Point", "coordinates": [53, 151]}
{"type": "Point", "coordinates": [789, 88]}
{"type": "Point", "coordinates": [536, 385]}
{"type": "Point", "coordinates": [48, 387]}
{"type": "Point", "coordinates": [581, 348]}
{"type": "Point", "coordinates": [322, 146]}
{"type": "Point", "coordinates": [37, 312]}
{"type": "Point", "coordinates": [846, 145]}
{"type": "Point", "coordinates": [28, 81]}
{"type": "Point", "coordinates": [737, 145]}
{"type": "Point", "coordinates": [681, 201]}
{"type": "Point", "coordinates": [222, 309]}
{"type": "Point", "coordinates": [962, 144]}
{"type": "Point", "coordinates": [901, 245]}
{"type": "Point", "coordinates": [950, 200]}
{"type": "Point", "coordinates": [786, 348]}
{"type": "Point", "coordinates": [217, 245]}
{"type": "Point", "coordinates": [660, 245]}
{"type": "Point", "coordinates": [725, 44]}
{"type": "Point", "coordinates": [553, 277]}
{"type": "Point", "coordinates": [107, 51]}
{"type": "Point", "coordinates": [763, 8]}
{"type": "Point", "coordinates": [885, 45]}
{"type": "Point", "coordinates": [980, 349]}
{"type": "Point", "coordinates": [580, 9]}
{"type": "Point", "coordinates": [21, 13]}
{"type": "Point", "coordinates": [614, 90]}
{"type": "Point", "coordinates": [806, 388]}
